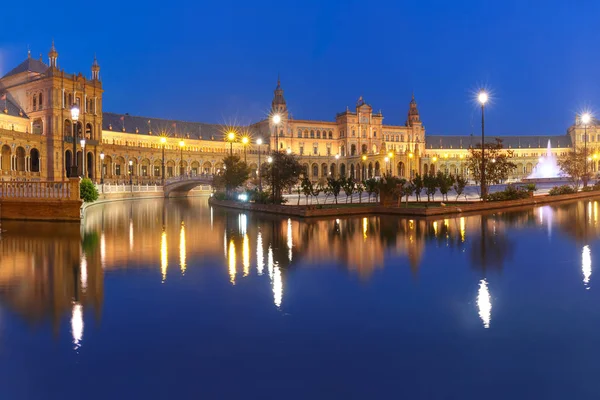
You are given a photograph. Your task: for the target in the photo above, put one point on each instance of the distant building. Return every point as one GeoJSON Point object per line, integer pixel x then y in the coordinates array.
{"type": "Point", "coordinates": [36, 136]}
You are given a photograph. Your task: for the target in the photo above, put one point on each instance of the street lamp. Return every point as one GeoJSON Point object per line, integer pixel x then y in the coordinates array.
{"type": "Point", "coordinates": [337, 166]}
{"type": "Point", "coordinates": [74, 118]}
{"type": "Point", "coordinates": [102, 169]}
{"type": "Point", "coordinates": [289, 150]}
{"type": "Point", "coordinates": [276, 120]}
{"type": "Point", "coordinates": [259, 142]}
{"type": "Point", "coordinates": [231, 138]}
{"type": "Point", "coordinates": [245, 142]}
{"type": "Point", "coordinates": [585, 118]}
{"type": "Point", "coordinates": [274, 186]}
{"type": "Point", "coordinates": [482, 97]}
{"type": "Point", "coordinates": [181, 144]}
{"type": "Point", "coordinates": [82, 142]}
{"type": "Point", "coordinates": [391, 156]}
{"type": "Point", "coordinates": [364, 158]}
{"type": "Point", "coordinates": [387, 160]}
{"type": "Point", "coordinates": [163, 140]}
{"type": "Point", "coordinates": [131, 173]}
{"type": "Point", "coordinates": [410, 171]}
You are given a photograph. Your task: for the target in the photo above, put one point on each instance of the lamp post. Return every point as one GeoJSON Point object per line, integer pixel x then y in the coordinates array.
{"type": "Point", "coordinates": [275, 186]}
{"type": "Point", "coordinates": [163, 140]}
{"type": "Point", "coordinates": [364, 158]}
{"type": "Point", "coordinates": [181, 144]}
{"type": "Point", "coordinates": [245, 142]}
{"type": "Point", "coordinates": [259, 142]}
{"type": "Point", "coordinates": [82, 142]}
{"type": "Point", "coordinates": [276, 121]}
{"type": "Point", "coordinates": [585, 118]}
{"type": "Point", "coordinates": [231, 138]}
{"type": "Point", "coordinates": [131, 173]}
{"type": "Point", "coordinates": [74, 118]}
{"type": "Point", "coordinates": [387, 160]}
{"type": "Point", "coordinates": [483, 98]}
{"type": "Point", "coordinates": [433, 161]}
{"type": "Point", "coordinates": [410, 171]}
{"type": "Point", "coordinates": [337, 166]}
{"type": "Point", "coordinates": [102, 169]}
{"type": "Point", "coordinates": [391, 156]}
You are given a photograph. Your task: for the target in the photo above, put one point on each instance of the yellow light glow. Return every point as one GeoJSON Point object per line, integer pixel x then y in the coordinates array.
{"type": "Point", "coordinates": [482, 97]}
{"type": "Point", "coordinates": [277, 287]}
{"type": "Point", "coordinates": [276, 119]}
{"type": "Point", "coordinates": [461, 156]}
{"type": "Point", "coordinates": [130, 234]}
{"type": "Point", "coordinates": [410, 155]}
{"type": "Point", "coordinates": [364, 158]}
{"type": "Point", "coordinates": [434, 159]}
{"type": "Point", "coordinates": [245, 140]}
{"type": "Point", "coordinates": [103, 250]}
{"type": "Point", "coordinates": [231, 259]}
{"type": "Point", "coordinates": [595, 156]}
{"type": "Point", "coordinates": [77, 325]}
{"type": "Point", "coordinates": [365, 227]}
{"type": "Point", "coordinates": [586, 264]}
{"type": "Point", "coordinates": [181, 143]}
{"type": "Point", "coordinates": [231, 136]}
{"type": "Point", "coordinates": [290, 239]}
{"type": "Point", "coordinates": [484, 303]}
{"type": "Point", "coordinates": [163, 139]}
{"type": "Point", "coordinates": [386, 159]}
{"type": "Point", "coordinates": [462, 229]}
{"type": "Point", "coordinates": [260, 257]}
{"type": "Point", "coordinates": [435, 228]}
{"type": "Point", "coordinates": [246, 255]}
{"type": "Point", "coordinates": [595, 212]}
{"type": "Point", "coordinates": [84, 274]}
{"type": "Point", "coordinates": [182, 249]}
{"type": "Point", "coordinates": [390, 154]}
{"type": "Point", "coordinates": [446, 155]}
{"type": "Point", "coordinates": [164, 258]}
{"type": "Point", "coordinates": [289, 151]}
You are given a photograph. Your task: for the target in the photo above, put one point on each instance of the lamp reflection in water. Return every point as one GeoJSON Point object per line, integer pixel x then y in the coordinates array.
{"type": "Point", "coordinates": [231, 259]}
{"type": "Point", "coordinates": [484, 303]}
{"type": "Point", "coordinates": [246, 255]}
{"type": "Point", "coordinates": [103, 251]}
{"type": "Point", "coordinates": [164, 258]}
{"type": "Point", "coordinates": [131, 234]}
{"type": "Point", "coordinates": [365, 227]}
{"type": "Point", "coordinates": [586, 265]}
{"type": "Point", "coordinates": [290, 241]}
{"type": "Point", "coordinates": [260, 257]}
{"type": "Point", "coordinates": [182, 249]}
{"type": "Point", "coordinates": [84, 274]}
{"type": "Point", "coordinates": [462, 229]}
{"type": "Point", "coordinates": [275, 276]}
{"type": "Point", "coordinates": [77, 325]}
{"type": "Point", "coordinates": [243, 223]}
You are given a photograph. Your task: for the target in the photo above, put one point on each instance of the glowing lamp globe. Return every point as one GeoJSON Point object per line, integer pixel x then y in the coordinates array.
{"type": "Point", "coordinates": [259, 141]}
{"type": "Point", "coordinates": [586, 118]}
{"type": "Point", "coordinates": [276, 119]}
{"type": "Point", "coordinates": [482, 97]}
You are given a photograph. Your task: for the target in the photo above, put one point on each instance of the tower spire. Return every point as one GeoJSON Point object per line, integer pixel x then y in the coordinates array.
{"type": "Point", "coordinates": [278, 104]}
{"type": "Point", "coordinates": [53, 55]}
{"type": "Point", "coordinates": [413, 112]}
{"type": "Point", "coordinates": [95, 69]}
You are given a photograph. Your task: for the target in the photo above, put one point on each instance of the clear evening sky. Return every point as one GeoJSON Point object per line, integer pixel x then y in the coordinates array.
{"type": "Point", "coordinates": [217, 61]}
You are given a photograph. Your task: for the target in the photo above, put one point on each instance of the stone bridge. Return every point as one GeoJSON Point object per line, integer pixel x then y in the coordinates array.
{"type": "Point", "coordinates": [181, 185]}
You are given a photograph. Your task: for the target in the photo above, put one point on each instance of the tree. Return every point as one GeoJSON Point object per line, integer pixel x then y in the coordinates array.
{"type": "Point", "coordinates": [498, 164]}
{"type": "Point", "coordinates": [431, 183]}
{"type": "Point", "coordinates": [573, 164]}
{"type": "Point", "coordinates": [316, 190]}
{"type": "Point", "coordinates": [445, 183]}
{"type": "Point", "coordinates": [418, 182]}
{"type": "Point", "coordinates": [281, 174]}
{"type": "Point", "coordinates": [235, 173]}
{"type": "Point", "coordinates": [359, 189]}
{"type": "Point", "coordinates": [299, 191]}
{"type": "Point", "coordinates": [87, 191]}
{"type": "Point", "coordinates": [335, 186]}
{"type": "Point", "coordinates": [348, 186]}
{"type": "Point", "coordinates": [408, 188]}
{"type": "Point", "coordinates": [371, 187]}
{"type": "Point", "coordinates": [325, 188]}
{"type": "Point", "coordinates": [459, 185]}
{"type": "Point", "coordinates": [307, 188]}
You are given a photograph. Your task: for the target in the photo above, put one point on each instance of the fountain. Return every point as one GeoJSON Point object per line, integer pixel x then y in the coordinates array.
{"type": "Point", "coordinates": [547, 169]}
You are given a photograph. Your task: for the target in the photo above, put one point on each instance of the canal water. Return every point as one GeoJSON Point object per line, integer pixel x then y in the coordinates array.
{"type": "Point", "coordinates": [176, 299]}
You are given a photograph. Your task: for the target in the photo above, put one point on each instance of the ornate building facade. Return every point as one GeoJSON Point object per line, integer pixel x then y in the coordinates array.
{"type": "Point", "coordinates": [36, 136]}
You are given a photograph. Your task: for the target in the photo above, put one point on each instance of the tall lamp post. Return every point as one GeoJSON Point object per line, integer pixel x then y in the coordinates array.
{"type": "Point", "coordinates": [276, 121]}
{"type": "Point", "coordinates": [231, 138]}
{"type": "Point", "coordinates": [387, 160]}
{"type": "Point", "coordinates": [410, 170]}
{"type": "Point", "coordinates": [163, 140]}
{"type": "Point", "coordinates": [74, 118]}
{"type": "Point", "coordinates": [364, 158]}
{"type": "Point", "coordinates": [391, 157]}
{"type": "Point", "coordinates": [274, 185]}
{"type": "Point", "coordinates": [245, 142]}
{"type": "Point", "coordinates": [483, 98]}
{"type": "Point", "coordinates": [337, 165]}
{"type": "Point", "coordinates": [83, 158]}
{"type": "Point", "coordinates": [259, 142]}
{"type": "Point", "coordinates": [585, 119]}
{"type": "Point", "coordinates": [102, 169]}
{"type": "Point", "coordinates": [131, 173]}
{"type": "Point", "coordinates": [181, 144]}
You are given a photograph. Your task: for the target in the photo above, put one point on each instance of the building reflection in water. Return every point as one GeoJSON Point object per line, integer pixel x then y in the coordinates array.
{"type": "Point", "coordinates": [44, 275]}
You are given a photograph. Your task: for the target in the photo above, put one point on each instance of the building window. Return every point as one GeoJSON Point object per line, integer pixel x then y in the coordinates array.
{"type": "Point", "coordinates": [301, 150]}
{"type": "Point", "coordinates": [305, 134]}
{"type": "Point", "coordinates": [34, 102]}
{"type": "Point", "coordinates": [299, 133]}
{"type": "Point", "coordinates": [118, 170]}
{"type": "Point", "coordinates": [353, 133]}
{"type": "Point", "coordinates": [328, 150]}
{"type": "Point", "coordinates": [156, 170]}
{"type": "Point", "coordinates": [318, 134]}
{"type": "Point", "coordinates": [315, 150]}
{"type": "Point", "coordinates": [312, 134]}
{"type": "Point", "coordinates": [374, 133]}
{"type": "Point", "coordinates": [330, 134]}
{"type": "Point", "coordinates": [144, 170]}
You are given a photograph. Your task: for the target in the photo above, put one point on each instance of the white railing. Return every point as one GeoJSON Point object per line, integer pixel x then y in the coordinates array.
{"type": "Point", "coordinates": [122, 188]}
{"type": "Point", "coordinates": [202, 177]}
{"type": "Point", "coordinates": [33, 190]}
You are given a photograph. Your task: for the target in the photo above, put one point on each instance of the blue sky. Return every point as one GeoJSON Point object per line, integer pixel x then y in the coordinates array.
{"type": "Point", "coordinates": [218, 61]}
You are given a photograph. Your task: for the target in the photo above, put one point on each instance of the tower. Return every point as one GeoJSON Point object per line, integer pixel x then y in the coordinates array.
{"type": "Point", "coordinates": [53, 55]}
{"type": "Point", "coordinates": [278, 105]}
{"type": "Point", "coordinates": [95, 70]}
{"type": "Point", "coordinates": [413, 113]}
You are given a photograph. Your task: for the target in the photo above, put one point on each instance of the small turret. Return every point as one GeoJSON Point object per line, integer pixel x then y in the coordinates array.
{"type": "Point", "coordinates": [413, 113]}
{"type": "Point", "coordinates": [53, 55]}
{"type": "Point", "coordinates": [278, 104]}
{"type": "Point", "coordinates": [95, 69]}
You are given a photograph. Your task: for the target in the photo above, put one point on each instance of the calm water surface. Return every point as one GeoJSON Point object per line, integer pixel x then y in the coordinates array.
{"type": "Point", "coordinates": [177, 300]}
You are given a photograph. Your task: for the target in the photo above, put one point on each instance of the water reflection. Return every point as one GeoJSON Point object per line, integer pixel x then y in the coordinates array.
{"type": "Point", "coordinates": [44, 275]}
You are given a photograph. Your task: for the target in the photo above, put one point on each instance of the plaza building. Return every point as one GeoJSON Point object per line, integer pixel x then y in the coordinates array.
{"type": "Point", "coordinates": [40, 140]}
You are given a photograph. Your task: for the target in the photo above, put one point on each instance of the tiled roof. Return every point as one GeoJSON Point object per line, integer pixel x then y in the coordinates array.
{"type": "Point", "coordinates": [29, 65]}
{"type": "Point", "coordinates": [173, 128]}
{"type": "Point", "coordinates": [12, 107]}
{"type": "Point", "coordinates": [513, 142]}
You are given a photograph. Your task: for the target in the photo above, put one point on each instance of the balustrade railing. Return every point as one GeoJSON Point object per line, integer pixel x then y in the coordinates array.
{"type": "Point", "coordinates": [38, 190]}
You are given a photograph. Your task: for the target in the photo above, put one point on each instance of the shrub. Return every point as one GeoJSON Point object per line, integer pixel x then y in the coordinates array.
{"type": "Point", "coordinates": [259, 197]}
{"type": "Point", "coordinates": [596, 186]}
{"type": "Point", "coordinates": [558, 190]}
{"type": "Point", "coordinates": [510, 193]}
{"type": "Point", "coordinates": [220, 196]}
{"type": "Point", "coordinates": [87, 191]}
{"type": "Point", "coordinates": [587, 189]}
{"type": "Point", "coordinates": [530, 187]}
